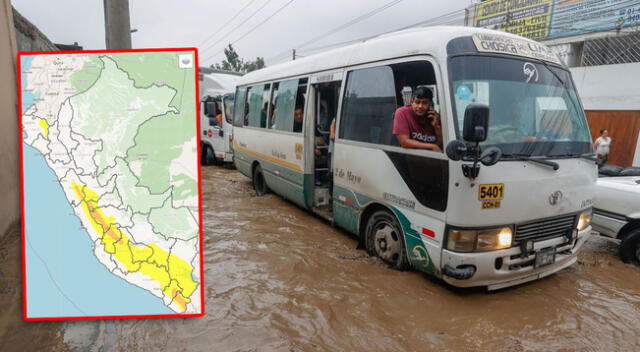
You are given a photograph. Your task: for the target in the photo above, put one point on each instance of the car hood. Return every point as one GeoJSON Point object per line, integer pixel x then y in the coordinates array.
{"type": "Point", "coordinates": [619, 195]}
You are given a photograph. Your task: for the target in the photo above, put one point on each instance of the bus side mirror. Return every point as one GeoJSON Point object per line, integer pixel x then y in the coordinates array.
{"type": "Point", "coordinates": [210, 109]}
{"type": "Point", "coordinates": [476, 123]}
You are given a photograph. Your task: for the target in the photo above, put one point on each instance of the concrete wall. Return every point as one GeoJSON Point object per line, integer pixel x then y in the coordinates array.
{"type": "Point", "coordinates": [9, 172]}
{"type": "Point", "coordinates": [28, 37]}
{"type": "Point", "coordinates": [612, 88]}
{"type": "Point", "coordinates": [609, 87]}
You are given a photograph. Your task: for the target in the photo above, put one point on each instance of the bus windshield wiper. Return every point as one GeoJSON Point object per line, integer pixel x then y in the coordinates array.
{"type": "Point", "coordinates": [526, 157]}
{"type": "Point", "coordinates": [587, 156]}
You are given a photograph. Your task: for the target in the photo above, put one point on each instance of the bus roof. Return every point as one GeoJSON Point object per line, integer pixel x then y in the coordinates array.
{"type": "Point", "coordinates": [219, 81]}
{"type": "Point", "coordinates": [414, 41]}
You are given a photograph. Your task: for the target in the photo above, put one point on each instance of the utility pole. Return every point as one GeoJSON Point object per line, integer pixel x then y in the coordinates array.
{"type": "Point", "coordinates": [294, 54]}
{"type": "Point", "coordinates": [117, 27]}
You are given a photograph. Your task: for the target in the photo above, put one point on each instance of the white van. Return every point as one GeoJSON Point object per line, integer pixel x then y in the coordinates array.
{"type": "Point", "coordinates": [509, 202]}
{"type": "Point", "coordinates": [216, 120]}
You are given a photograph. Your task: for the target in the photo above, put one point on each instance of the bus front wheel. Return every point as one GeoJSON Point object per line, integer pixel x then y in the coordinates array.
{"type": "Point", "coordinates": [630, 247]}
{"type": "Point", "coordinates": [208, 157]}
{"type": "Point", "coordinates": [259, 184]}
{"type": "Point", "coordinates": [384, 239]}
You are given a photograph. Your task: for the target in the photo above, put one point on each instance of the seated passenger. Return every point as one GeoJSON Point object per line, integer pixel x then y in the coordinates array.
{"type": "Point", "coordinates": [417, 126]}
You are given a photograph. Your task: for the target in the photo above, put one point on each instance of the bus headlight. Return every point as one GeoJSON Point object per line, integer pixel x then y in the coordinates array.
{"type": "Point", "coordinates": [479, 240]}
{"type": "Point", "coordinates": [584, 220]}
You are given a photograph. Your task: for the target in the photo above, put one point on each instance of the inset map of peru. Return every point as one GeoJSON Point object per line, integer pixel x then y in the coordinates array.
{"type": "Point", "coordinates": [110, 182]}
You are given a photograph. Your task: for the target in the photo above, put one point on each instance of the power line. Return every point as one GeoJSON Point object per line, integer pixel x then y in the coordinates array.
{"type": "Point", "coordinates": [238, 26]}
{"type": "Point", "coordinates": [345, 25]}
{"type": "Point", "coordinates": [229, 21]}
{"type": "Point", "coordinates": [255, 27]}
{"type": "Point", "coordinates": [448, 18]}
{"type": "Point", "coordinates": [352, 22]}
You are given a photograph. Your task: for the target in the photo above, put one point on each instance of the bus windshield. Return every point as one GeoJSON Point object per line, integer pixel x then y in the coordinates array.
{"type": "Point", "coordinates": [534, 108]}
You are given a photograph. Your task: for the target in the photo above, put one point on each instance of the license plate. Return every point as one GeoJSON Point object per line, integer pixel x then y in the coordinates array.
{"type": "Point", "coordinates": [545, 257]}
{"type": "Point", "coordinates": [491, 192]}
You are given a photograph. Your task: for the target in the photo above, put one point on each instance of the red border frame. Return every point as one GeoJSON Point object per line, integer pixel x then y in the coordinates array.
{"type": "Point", "coordinates": [20, 112]}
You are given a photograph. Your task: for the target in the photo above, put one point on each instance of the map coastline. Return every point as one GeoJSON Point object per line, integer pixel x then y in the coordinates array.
{"type": "Point", "coordinates": [74, 297]}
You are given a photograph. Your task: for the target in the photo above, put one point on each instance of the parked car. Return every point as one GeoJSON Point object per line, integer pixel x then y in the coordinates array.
{"type": "Point", "coordinates": [616, 212]}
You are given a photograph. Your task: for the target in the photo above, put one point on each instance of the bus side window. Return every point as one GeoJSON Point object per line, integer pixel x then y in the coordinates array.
{"type": "Point", "coordinates": [372, 96]}
{"type": "Point", "coordinates": [298, 115]}
{"type": "Point", "coordinates": [247, 104]}
{"type": "Point", "coordinates": [256, 108]}
{"type": "Point", "coordinates": [238, 110]}
{"type": "Point", "coordinates": [272, 106]}
{"type": "Point", "coordinates": [266, 91]}
{"type": "Point", "coordinates": [290, 98]}
{"type": "Point", "coordinates": [369, 105]}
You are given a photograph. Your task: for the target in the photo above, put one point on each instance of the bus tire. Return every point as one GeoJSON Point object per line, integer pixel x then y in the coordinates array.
{"type": "Point", "coordinates": [208, 156]}
{"type": "Point", "coordinates": [259, 183]}
{"type": "Point", "coordinates": [630, 247]}
{"type": "Point", "coordinates": [384, 239]}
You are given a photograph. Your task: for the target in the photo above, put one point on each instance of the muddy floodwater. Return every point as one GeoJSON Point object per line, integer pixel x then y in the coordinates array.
{"type": "Point", "coordinates": [279, 279]}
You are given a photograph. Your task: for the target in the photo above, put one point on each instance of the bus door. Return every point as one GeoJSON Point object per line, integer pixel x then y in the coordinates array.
{"type": "Point", "coordinates": [226, 129]}
{"type": "Point", "coordinates": [325, 93]}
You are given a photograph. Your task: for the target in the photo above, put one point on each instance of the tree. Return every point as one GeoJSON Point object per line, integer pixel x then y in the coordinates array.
{"type": "Point", "coordinates": [234, 62]}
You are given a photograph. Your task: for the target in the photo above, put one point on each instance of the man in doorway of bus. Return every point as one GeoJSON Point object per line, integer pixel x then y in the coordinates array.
{"type": "Point", "coordinates": [417, 126]}
{"type": "Point", "coordinates": [602, 145]}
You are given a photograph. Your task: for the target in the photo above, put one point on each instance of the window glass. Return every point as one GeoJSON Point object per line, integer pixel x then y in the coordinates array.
{"type": "Point", "coordinates": [238, 111]}
{"type": "Point", "coordinates": [369, 106]}
{"type": "Point", "coordinates": [285, 105]}
{"type": "Point", "coordinates": [298, 114]}
{"type": "Point", "coordinates": [534, 107]}
{"type": "Point", "coordinates": [272, 106]}
{"type": "Point", "coordinates": [266, 91]}
{"type": "Point", "coordinates": [255, 98]}
{"type": "Point", "coordinates": [373, 95]}
{"type": "Point", "coordinates": [228, 108]}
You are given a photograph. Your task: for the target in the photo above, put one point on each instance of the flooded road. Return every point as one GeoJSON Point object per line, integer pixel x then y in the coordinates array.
{"type": "Point", "coordinates": [280, 279]}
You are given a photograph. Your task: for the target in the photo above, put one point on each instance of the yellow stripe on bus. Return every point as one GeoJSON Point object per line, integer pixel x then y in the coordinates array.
{"type": "Point", "coordinates": [267, 158]}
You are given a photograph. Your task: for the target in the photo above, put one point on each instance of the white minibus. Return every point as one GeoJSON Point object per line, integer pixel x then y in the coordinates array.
{"type": "Point", "coordinates": [506, 200]}
{"type": "Point", "coordinates": [216, 118]}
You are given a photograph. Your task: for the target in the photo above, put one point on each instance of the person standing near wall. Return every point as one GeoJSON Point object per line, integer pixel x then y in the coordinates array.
{"type": "Point", "coordinates": [602, 145]}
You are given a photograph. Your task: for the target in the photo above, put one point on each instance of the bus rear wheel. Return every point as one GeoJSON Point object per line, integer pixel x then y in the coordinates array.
{"type": "Point", "coordinates": [630, 247]}
{"type": "Point", "coordinates": [384, 239]}
{"type": "Point", "coordinates": [259, 184]}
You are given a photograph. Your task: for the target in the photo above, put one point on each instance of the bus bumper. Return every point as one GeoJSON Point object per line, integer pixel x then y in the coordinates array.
{"type": "Point", "coordinates": [504, 268]}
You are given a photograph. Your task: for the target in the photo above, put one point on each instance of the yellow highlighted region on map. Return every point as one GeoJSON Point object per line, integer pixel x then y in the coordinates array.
{"type": "Point", "coordinates": [45, 127]}
{"type": "Point", "coordinates": [170, 271]}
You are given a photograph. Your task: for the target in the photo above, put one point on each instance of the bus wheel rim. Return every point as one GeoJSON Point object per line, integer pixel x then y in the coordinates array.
{"type": "Point", "coordinates": [386, 242]}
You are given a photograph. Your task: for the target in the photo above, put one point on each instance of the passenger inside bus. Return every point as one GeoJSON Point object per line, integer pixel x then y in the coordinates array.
{"type": "Point", "coordinates": [297, 119]}
{"type": "Point", "coordinates": [417, 126]}
{"type": "Point", "coordinates": [372, 96]}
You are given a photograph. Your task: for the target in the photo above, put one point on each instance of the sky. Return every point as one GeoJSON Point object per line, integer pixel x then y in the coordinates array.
{"type": "Point", "coordinates": [210, 25]}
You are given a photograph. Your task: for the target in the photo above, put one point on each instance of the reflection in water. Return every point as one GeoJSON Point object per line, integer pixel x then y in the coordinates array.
{"type": "Point", "coordinates": [279, 279]}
